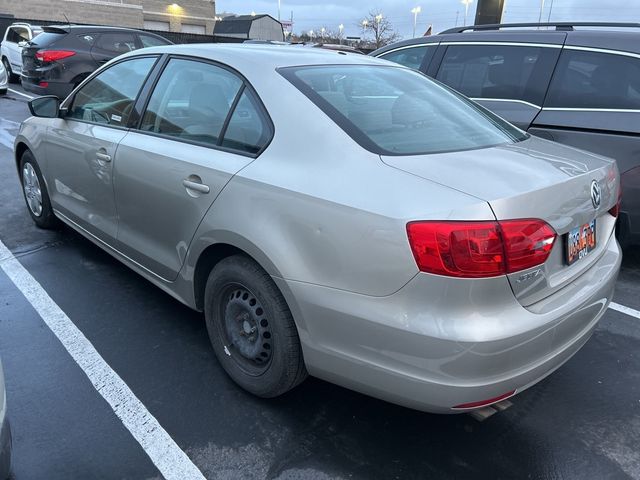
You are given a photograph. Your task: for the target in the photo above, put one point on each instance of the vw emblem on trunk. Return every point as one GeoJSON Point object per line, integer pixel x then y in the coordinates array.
{"type": "Point", "coordinates": [595, 194]}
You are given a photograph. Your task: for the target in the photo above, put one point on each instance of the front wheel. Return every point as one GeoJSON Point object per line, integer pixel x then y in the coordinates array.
{"type": "Point", "coordinates": [35, 192]}
{"type": "Point", "coordinates": [251, 328]}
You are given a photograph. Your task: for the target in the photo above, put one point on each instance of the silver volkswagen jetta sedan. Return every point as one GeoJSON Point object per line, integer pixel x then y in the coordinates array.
{"type": "Point", "coordinates": [334, 214]}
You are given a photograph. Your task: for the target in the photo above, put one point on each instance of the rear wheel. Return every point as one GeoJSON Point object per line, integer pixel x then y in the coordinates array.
{"type": "Point", "coordinates": [35, 192]}
{"type": "Point", "coordinates": [11, 77]}
{"type": "Point", "coordinates": [251, 328]}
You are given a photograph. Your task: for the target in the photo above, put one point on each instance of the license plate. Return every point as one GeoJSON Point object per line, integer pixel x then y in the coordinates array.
{"type": "Point", "coordinates": [581, 241]}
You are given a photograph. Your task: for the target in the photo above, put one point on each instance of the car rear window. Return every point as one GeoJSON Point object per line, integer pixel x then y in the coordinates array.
{"type": "Point", "coordinates": [396, 111]}
{"type": "Point", "coordinates": [47, 38]}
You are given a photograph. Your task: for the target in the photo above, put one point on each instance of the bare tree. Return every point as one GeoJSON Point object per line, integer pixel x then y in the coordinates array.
{"type": "Point", "coordinates": [380, 28]}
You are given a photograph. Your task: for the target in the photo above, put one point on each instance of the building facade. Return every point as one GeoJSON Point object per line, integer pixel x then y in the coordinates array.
{"type": "Point", "coordinates": [191, 16]}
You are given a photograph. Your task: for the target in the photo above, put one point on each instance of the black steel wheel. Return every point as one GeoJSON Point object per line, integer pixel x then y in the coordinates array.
{"type": "Point", "coordinates": [251, 328]}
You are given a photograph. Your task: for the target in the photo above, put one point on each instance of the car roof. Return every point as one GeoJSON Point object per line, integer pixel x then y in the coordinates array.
{"type": "Point", "coordinates": [265, 56]}
{"type": "Point", "coordinates": [93, 28]}
{"type": "Point", "coordinates": [625, 39]}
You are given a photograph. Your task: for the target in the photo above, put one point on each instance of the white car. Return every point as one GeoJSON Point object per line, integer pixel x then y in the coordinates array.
{"type": "Point", "coordinates": [11, 47]}
{"type": "Point", "coordinates": [4, 80]}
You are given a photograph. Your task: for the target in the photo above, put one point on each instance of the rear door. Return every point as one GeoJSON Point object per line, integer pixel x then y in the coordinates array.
{"type": "Point", "coordinates": [81, 146]}
{"type": "Point", "coordinates": [508, 77]}
{"type": "Point", "coordinates": [202, 124]}
{"type": "Point", "coordinates": [594, 103]}
{"type": "Point", "coordinates": [16, 36]}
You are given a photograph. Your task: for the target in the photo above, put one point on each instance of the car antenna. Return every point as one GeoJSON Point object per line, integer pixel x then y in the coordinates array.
{"type": "Point", "coordinates": [66, 18]}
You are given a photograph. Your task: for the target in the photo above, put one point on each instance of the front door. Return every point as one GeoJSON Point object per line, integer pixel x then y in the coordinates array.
{"type": "Point", "coordinates": [189, 145]}
{"type": "Point", "coordinates": [81, 147]}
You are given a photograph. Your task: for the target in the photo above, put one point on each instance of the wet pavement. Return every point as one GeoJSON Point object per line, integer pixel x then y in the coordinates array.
{"type": "Point", "coordinates": [583, 422]}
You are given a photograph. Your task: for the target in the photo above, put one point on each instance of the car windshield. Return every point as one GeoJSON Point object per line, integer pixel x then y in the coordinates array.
{"type": "Point", "coordinates": [396, 111]}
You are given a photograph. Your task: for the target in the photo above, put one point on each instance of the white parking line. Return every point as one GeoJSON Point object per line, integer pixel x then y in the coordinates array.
{"type": "Point", "coordinates": [626, 310]}
{"type": "Point", "coordinates": [165, 454]}
{"type": "Point", "coordinates": [30, 97]}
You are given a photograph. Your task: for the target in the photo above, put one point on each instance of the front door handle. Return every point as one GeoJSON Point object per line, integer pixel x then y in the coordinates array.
{"type": "Point", "coordinates": [105, 157]}
{"type": "Point", "coordinates": [197, 186]}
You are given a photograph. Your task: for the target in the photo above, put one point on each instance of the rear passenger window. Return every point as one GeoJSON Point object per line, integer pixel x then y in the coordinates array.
{"type": "Point", "coordinates": [108, 98]}
{"type": "Point", "coordinates": [117, 43]}
{"type": "Point", "coordinates": [410, 57]}
{"type": "Point", "coordinates": [191, 101]}
{"type": "Point", "coordinates": [586, 79]}
{"type": "Point", "coordinates": [247, 130]}
{"type": "Point", "coordinates": [498, 71]}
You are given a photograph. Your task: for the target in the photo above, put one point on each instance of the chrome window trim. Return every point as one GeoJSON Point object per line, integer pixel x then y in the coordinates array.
{"type": "Point", "coordinates": [475, 99]}
{"type": "Point", "coordinates": [416, 45]}
{"type": "Point", "coordinates": [572, 109]}
{"type": "Point", "coordinates": [602, 50]}
{"type": "Point", "coordinates": [509, 44]}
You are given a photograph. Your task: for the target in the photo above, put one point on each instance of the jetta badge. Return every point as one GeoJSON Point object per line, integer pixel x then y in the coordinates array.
{"type": "Point", "coordinates": [595, 194]}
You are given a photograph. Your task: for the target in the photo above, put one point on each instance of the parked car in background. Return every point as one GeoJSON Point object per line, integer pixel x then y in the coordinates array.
{"type": "Point", "coordinates": [61, 57]}
{"type": "Point", "coordinates": [4, 80]}
{"type": "Point", "coordinates": [16, 35]}
{"type": "Point", "coordinates": [400, 240]}
{"type": "Point", "coordinates": [577, 86]}
{"type": "Point", "coordinates": [5, 432]}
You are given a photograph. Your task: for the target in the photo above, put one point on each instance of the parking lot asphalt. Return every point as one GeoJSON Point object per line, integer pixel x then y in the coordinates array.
{"type": "Point", "coordinates": [582, 422]}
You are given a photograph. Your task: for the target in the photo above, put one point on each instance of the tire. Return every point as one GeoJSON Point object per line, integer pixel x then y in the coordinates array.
{"type": "Point", "coordinates": [35, 193]}
{"type": "Point", "coordinates": [11, 77]}
{"type": "Point", "coordinates": [251, 328]}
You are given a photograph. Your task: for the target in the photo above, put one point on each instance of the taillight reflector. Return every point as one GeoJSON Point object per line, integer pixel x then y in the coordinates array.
{"type": "Point", "coordinates": [615, 210]}
{"type": "Point", "coordinates": [480, 249]}
{"type": "Point", "coordinates": [484, 403]}
{"type": "Point", "coordinates": [47, 56]}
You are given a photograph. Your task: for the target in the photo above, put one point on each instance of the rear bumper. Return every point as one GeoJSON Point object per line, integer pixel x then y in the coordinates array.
{"type": "Point", "coordinates": [59, 89]}
{"type": "Point", "coordinates": [438, 343]}
{"type": "Point", "coordinates": [629, 221]}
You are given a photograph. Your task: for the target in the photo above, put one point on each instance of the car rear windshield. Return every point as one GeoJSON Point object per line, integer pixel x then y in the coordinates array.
{"type": "Point", "coordinates": [47, 38]}
{"type": "Point", "coordinates": [396, 111]}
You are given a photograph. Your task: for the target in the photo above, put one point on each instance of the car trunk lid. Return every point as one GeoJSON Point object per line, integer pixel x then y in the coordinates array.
{"type": "Point", "coordinates": [532, 179]}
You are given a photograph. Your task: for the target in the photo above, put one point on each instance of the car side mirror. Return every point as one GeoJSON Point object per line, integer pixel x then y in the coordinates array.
{"type": "Point", "coordinates": [45, 107]}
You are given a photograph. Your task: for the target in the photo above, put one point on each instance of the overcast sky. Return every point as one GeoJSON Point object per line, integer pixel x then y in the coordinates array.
{"type": "Point", "coordinates": [314, 14]}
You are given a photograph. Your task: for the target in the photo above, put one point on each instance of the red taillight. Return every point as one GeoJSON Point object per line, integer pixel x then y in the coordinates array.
{"type": "Point", "coordinates": [484, 403]}
{"type": "Point", "coordinates": [43, 84]}
{"type": "Point", "coordinates": [47, 56]}
{"type": "Point", "coordinates": [480, 249]}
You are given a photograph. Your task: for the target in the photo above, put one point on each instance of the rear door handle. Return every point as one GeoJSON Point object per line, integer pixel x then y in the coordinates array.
{"type": "Point", "coordinates": [105, 157]}
{"type": "Point", "coordinates": [198, 187]}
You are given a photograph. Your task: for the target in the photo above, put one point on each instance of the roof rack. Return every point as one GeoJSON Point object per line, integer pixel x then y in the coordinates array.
{"type": "Point", "coordinates": [562, 26]}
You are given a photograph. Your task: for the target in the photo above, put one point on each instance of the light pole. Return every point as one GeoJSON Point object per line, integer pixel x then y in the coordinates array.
{"type": "Point", "coordinates": [415, 11]}
{"type": "Point", "coordinates": [340, 29]}
{"type": "Point", "coordinates": [322, 30]}
{"type": "Point", "coordinates": [466, 4]}
{"type": "Point", "coordinates": [378, 18]}
{"type": "Point", "coordinates": [311, 35]}
{"type": "Point", "coordinates": [278, 10]}
{"type": "Point", "coordinates": [541, 9]}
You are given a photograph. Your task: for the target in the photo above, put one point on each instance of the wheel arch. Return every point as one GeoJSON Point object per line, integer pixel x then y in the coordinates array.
{"type": "Point", "coordinates": [20, 148]}
{"type": "Point", "coordinates": [232, 244]}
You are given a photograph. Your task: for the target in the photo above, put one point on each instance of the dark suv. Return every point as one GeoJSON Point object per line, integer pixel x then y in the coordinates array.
{"type": "Point", "coordinates": [61, 57]}
{"type": "Point", "coordinates": [577, 86]}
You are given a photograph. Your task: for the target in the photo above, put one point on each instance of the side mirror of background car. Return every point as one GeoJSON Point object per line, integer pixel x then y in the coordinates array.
{"type": "Point", "coordinates": [46, 107]}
